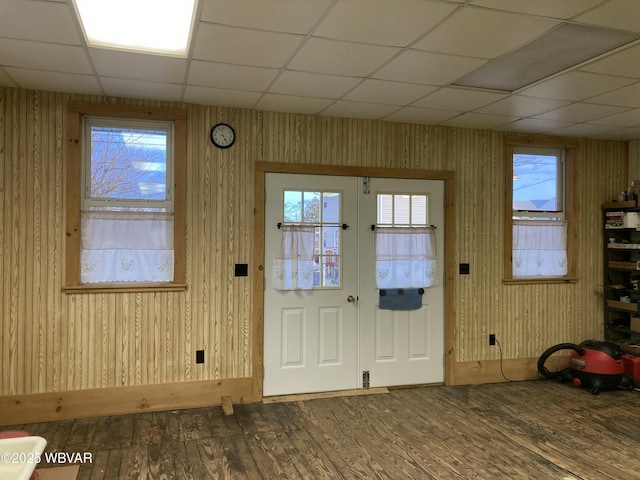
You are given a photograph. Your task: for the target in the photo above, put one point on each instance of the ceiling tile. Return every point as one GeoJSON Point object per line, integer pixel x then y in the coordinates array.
{"type": "Point", "coordinates": [242, 46]}
{"type": "Point", "coordinates": [583, 130]}
{"type": "Point", "coordinates": [533, 125]}
{"type": "Point", "coordinates": [624, 97]}
{"type": "Point", "coordinates": [416, 66]}
{"type": "Point", "coordinates": [223, 75]}
{"type": "Point", "coordinates": [44, 56]}
{"type": "Point", "coordinates": [459, 99]}
{"type": "Point", "coordinates": [630, 118]}
{"type": "Point", "coordinates": [622, 14]}
{"type": "Point", "coordinates": [155, 68]}
{"type": "Point", "coordinates": [312, 84]}
{"type": "Point", "coordinates": [386, 22]}
{"type": "Point", "coordinates": [284, 103]}
{"type": "Point", "coordinates": [625, 134]}
{"type": "Point", "coordinates": [544, 8]}
{"type": "Point", "coordinates": [581, 112]}
{"type": "Point", "coordinates": [427, 116]}
{"type": "Point", "coordinates": [623, 63]}
{"type": "Point", "coordinates": [576, 86]}
{"type": "Point", "coordinates": [220, 97]}
{"type": "Point", "coordinates": [341, 58]}
{"type": "Point", "coordinates": [368, 111]}
{"type": "Point", "coordinates": [5, 80]}
{"type": "Point", "coordinates": [118, 87]}
{"type": "Point", "coordinates": [55, 81]}
{"type": "Point", "coordinates": [293, 16]}
{"type": "Point", "coordinates": [391, 93]}
{"type": "Point", "coordinates": [521, 106]}
{"type": "Point", "coordinates": [479, 121]}
{"type": "Point", "coordinates": [476, 32]}
{"type": "Point", "coordinates": [41, 21]}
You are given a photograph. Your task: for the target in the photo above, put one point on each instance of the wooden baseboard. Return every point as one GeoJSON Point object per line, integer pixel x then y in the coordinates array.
{"type": "Point", "coordinates": [314, 396]}
{"type": "Point", "coordinates": [490, 371]}
{"type": "Point", "coordinates": [52, 406]}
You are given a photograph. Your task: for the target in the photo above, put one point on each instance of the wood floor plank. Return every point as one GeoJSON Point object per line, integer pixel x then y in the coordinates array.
{"type": "Point", "coordinates": [135, 462]}
{"type": "Point", "coordinates": [82, 433]}
{"type": "Point", "coordinates": [186, 460]}
{"type": "Point", "coordinates": [114, 462]}
{"type": "Point", "coordinates": [535, 429]}
{"type": "Point", "coordinates": [146, 431]}
{"type": "Point", "coordinates": [160, 461]}
{"type": "Point", "coordinates": [240, 459]}
{"type": "Point", "coordinates": [114, 432]}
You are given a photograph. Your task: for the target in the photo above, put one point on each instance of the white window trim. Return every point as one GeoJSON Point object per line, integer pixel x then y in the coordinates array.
{"type": "Point", "coordinates": [166, 126]}
{"type": "Point", "coordinates": [559, 214]}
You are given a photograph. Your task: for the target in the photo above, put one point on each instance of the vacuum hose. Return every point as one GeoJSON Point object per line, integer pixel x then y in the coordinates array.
{"type": "Point", "coordinates": [543, 358]}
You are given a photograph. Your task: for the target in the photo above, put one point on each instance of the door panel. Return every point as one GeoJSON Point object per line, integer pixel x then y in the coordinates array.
{"type": "Point", "coordinates": [293, 337]}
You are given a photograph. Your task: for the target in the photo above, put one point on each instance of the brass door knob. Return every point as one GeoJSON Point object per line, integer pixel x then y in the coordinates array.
{"type": "Point", "coordinates": [351, 299]}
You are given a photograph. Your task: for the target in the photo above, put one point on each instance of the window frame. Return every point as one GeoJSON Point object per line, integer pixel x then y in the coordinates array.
{"type": "Point", "coordinates": [569, 207]}
{"type": "Point", "coordinates": [320, 224]}
{"type": "Point", "coordinates": [76, 112]}
{"type": "Point", "coordinates": [411, 223]}
{"type": "Point", "coordinates": [88, 201]}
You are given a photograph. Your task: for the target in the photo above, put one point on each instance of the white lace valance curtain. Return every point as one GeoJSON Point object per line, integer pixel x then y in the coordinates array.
{"type": "Point", "coordinates": [293, 262]}
{"type": "Point", "coordinates": [539, 248]}
{"type": "Point", "coordinates": [405, 257]}
{"type": "Point", "coordinates": [126, 247]}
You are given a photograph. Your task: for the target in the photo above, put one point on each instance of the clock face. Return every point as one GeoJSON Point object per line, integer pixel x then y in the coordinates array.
{"type": "Point", "coordinates": [222, 135]}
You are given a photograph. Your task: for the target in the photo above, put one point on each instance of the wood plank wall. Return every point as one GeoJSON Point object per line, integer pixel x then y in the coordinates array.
{"type": "Point", "coordinates": [56, 342]}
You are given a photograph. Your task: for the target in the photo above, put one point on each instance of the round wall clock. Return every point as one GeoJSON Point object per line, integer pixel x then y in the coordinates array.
{"type": "Point", "coordinates": [222, 135]}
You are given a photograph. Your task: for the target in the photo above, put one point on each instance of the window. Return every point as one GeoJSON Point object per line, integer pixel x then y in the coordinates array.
{"type": "Point", "coordinates": [309, 251]}
{"type": "Point", "coordinates": [408, 210]}
{"type": "Point", "coordinates": [538, 227]}
{"type": "Point", "coordinates": [125, 198]}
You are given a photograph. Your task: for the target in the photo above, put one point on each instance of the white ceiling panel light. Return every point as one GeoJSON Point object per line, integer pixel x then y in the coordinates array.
{"type": "Point", "coordinates": [558, 49]}
{"type": "Point", "coordinates": [161, 27]}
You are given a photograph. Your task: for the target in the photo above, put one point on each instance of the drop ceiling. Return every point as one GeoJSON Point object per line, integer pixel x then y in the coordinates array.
{"type": "Point", "coordinates": [390, 60]}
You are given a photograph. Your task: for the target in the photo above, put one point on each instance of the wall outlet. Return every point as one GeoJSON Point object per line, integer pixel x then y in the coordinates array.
{"type": "Point", "coordinates": [492, 339]}
{"type": "Point", "coordinates": [199, 356]}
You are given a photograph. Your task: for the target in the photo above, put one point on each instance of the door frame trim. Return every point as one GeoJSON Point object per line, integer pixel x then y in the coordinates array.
{"type": "Point", "coordinates": [258, 283]}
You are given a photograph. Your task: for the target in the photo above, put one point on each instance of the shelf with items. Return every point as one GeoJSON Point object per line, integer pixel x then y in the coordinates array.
{"type": "Point", "coordinates": [621, 232]}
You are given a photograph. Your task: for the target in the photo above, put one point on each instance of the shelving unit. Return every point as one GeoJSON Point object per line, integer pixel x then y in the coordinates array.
{"type": "Point", "coordinates": [621, 233]}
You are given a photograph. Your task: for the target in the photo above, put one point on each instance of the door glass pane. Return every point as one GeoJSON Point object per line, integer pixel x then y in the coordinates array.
{"type": "Point", "coordinates": [322, 210]}
{"type": "Point", "coordinates": [402, 209]}
{"type": "Point", "coordinates": [292, 206]}
{"type": "Point", "coordinates": [418, 209]}
{"type": "Point", "coordinates": [331, 207]}
{"type": "Point", "coordinates": [385, 209]}
{"type": "Point", "coordinates": [312, 207]}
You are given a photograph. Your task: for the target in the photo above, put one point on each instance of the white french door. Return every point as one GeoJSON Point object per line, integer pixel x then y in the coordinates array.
{"type": "Point", "coordinates": [401, 347]}
{"type": "Point", "coordinates": [334, 336]}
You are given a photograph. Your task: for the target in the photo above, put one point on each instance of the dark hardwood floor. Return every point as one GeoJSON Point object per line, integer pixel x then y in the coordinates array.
{"type": "Point", "coordinates": [523, 430]}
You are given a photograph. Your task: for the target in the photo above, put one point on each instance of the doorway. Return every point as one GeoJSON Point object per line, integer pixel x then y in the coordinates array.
{"type": "Point", "coordinates": [324, 329]}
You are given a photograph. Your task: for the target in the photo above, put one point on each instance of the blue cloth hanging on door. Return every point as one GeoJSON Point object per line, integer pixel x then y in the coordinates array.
{"type": "Point", "coordinates": [401, 299]}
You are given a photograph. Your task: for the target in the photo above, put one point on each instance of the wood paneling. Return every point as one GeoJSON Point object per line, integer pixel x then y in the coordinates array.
{"type": "Point", "coordinates": [55, 341]}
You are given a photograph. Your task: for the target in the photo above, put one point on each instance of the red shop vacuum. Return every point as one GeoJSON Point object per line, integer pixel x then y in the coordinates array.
{"type": "Point", "coordinates": [594, 364]}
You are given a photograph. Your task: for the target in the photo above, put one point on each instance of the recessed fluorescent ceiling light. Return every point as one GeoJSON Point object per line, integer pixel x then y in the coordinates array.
{"type": "Point", "coordinates": [560, 48]}
{"type": "Point", "coordinates": [153, 26]}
